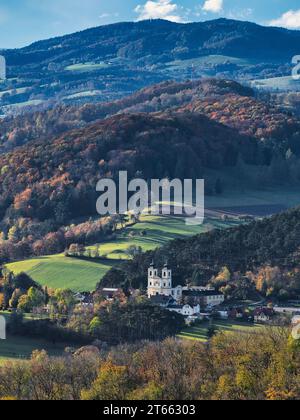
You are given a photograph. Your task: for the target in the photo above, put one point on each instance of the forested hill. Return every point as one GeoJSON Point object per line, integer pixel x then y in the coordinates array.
{"type": "Point", "coordinates": [49, 182]}
{"type": "Point", "coordinates": [47, 124]}
{"type": "Point", "coordinates": [163, 40]}
{"type": "Point", "coordinates": [109, 62]}
{"type": "Point", "coordinates": [57, 179]}
{"type": "Point", "coordinates": [274, 241]}
{"type": "Point", "coordinates": [223, 101]}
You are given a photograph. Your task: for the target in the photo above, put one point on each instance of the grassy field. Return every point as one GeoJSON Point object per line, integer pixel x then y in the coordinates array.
{"type": "Point", "coordinates": [20, 348]}
{"type": "Point", "coordinates": [286, 197]}
{"type": "Point", "coordinates": [57, 271]}
{"type": "Point", "coordinates": [86, 67]}
{"type": "Point", "coordinates": [159, 231]}
{"type": "Point", "coordinates": [277, 83]}
{"type": "Point", "coordinates": [207, 60]}
{"type": "Point", "coordinates": [84, 94]}
{"type": "Point", "coordinates": [199, 333]}
{"type": "Point", "coordinates": [18, 91]}
{"type": "Point", "coordinates": [33, 102]}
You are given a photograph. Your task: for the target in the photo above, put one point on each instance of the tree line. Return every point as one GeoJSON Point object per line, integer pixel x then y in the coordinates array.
{"type": "Point", "coordinates": [235, 366]}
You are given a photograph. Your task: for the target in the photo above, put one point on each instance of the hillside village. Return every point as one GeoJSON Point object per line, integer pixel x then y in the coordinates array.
{"type": "Point", "coordinates": [198, 304]}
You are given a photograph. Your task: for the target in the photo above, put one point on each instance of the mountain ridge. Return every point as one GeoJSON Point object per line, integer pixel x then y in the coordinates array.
{"type": "Point", "coordinates": [108, 62]}
{"type": "Point", "coordinates": [127, 24]}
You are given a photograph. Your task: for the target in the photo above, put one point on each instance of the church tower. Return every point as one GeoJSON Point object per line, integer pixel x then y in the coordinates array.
{"type": "Point", "coordinates": [167, 276]}
{"type": "Point", "coordinates": [159, 285]}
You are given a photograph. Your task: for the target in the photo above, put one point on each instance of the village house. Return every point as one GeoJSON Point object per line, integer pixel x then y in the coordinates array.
{"type": "Point", "coordinates": [263, 315]}
{"type": "Point", "coordinates": [110, 293]}
{"type": "Point", "coordinates": [85, 299]}
{"type": "Point", "coordinates": [185, 310]}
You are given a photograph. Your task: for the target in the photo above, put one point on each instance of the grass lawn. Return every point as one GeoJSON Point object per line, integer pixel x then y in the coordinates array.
{"type": "Point", "coordinates": [16, 348]}
{"type": "Point", "coordinates": [57, 271]}
{"type": "Point", "coordinates": [86, 67]}
{"type": "Point", "coordinates": [199, 333]}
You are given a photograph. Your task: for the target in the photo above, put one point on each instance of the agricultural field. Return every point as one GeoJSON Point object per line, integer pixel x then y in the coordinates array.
{"type": "Point", "coordinates": [277, 83]}
{"type": "Point", "coordinates": [281, 197]}
{"type": "Point", "coordinates": [84, 94]}
{"type": "Point", "coordinates": [20, 348]}
{"type": "Point", "coordinates": [58, 271]}
{"type": "Point", "coordinates": [207, 60]}
{"type": "Point", "coordinates": [86, 67]}
{"type": "Point", "coordinates": [199, 333]}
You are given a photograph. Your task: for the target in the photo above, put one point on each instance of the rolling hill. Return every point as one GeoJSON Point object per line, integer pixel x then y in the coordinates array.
{"type": "Point", "coordinates": [46, 124]}
{"type": "Point", "coordinates": [211, 128]}
{"type": "Point", "coordinates": [265, 252]}
{"type": "Point", "coordinates": [111, 61]}
{"type": "Point", "coordinates": [78, 274]}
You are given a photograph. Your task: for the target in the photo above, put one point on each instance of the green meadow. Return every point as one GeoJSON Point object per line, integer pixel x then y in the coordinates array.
{"type": "Point", "coordinates": [208, 60]}
{"type": "Point", "coordinates": [199, 332]}
{"type": "Point", "coordinates": [21, 348]}
{"type": "Point", "coordinates": [58, 271]}
{"type": "Point", "coordinates": [86, 67]}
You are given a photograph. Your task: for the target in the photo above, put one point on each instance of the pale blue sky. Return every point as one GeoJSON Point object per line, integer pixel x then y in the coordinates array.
{"type": "Point", "coordinates": [25, 21]}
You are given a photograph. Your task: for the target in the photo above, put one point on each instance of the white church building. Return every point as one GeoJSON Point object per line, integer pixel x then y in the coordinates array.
{"type": "Point", "coordinates": [162, 285]}
{"type": "Point", "coordinates": [162, 292]}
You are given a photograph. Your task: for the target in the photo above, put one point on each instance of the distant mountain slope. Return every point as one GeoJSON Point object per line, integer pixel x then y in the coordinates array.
{"type": "Point", "coordinates": [108, 62]}
{"type": "Point", "coordinates": [158, 37]}
{"type": "Point", "coordinates": [47, 124]}
{"type": "Point", "coordinates": [224, 101]}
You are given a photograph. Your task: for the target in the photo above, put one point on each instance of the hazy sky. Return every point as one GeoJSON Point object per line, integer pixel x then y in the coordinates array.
{"type": "Point", "coordinates": [25, 21]}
